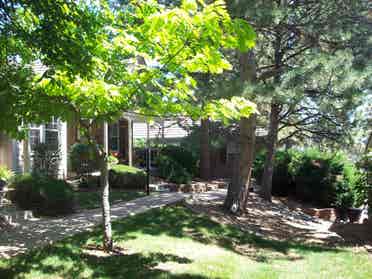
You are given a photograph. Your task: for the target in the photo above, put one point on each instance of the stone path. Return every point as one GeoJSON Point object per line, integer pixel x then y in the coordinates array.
{"type": "Point", "coordinates": [38, 232]}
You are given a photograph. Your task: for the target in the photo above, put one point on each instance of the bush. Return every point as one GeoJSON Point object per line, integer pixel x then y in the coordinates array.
{"type": "Point", "coordinates": [83, 158]}
{"type": "Point", "coordinates": [327, 179]}
{"type": "Point", "coordinates": [112, 160]}
{"type": "Point", "coordinates": [282, 183]}
{"type": "Point", "coordinates": [182, 157]}
{"type": "Point", "coordinates": [45, 160]}
{"type": "Point", "coordinates": [5, 174]}
{"type": "Point", "coordinates": [44, 195]}
{"type": "Point", "coordinates": [90, 181]}
{"type": "Point", "coordinates": [313, 177]}
{"type": "Point", "coordinates": [358, 184]}
{"type": "Point", "coordinates": [172, 171]}
{"type": "Point", "coordinates": [126, 177]}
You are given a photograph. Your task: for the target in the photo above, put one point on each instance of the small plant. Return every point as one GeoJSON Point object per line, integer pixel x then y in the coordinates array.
{"type": "Point", "coordinates": [5, 174]}
{"type": "Point", "coordinates": [46, 160]}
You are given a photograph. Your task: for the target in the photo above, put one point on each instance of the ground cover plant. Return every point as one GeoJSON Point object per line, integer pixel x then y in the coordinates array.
{"type": "Point", "coordinates": [173, 242]}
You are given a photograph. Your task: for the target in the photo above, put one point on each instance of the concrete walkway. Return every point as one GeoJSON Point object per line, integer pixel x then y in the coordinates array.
{"type": "Point", "coordinates": [32, 233]}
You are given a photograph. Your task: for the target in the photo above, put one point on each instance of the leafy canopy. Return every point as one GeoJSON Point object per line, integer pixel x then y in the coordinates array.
{"type": "Point", "coordinates": [139, 56]}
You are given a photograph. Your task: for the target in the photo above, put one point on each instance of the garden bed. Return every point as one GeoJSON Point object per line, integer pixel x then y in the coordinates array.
{"type": "Point", "coordinates": [196, 186]}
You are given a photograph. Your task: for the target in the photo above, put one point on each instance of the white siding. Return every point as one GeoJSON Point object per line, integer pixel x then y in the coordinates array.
{"type": "Point", "coordinates": [171, 130]}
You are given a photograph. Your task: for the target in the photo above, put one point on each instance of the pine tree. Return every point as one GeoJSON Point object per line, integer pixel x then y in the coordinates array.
{"type": "Point", "coordinates": [298, 43]}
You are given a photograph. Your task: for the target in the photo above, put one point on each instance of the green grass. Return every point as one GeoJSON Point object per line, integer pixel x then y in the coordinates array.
{"type": "Point", "coordinates": [173, 242]}
{"type": "Point", "coordinates": [90, 200]}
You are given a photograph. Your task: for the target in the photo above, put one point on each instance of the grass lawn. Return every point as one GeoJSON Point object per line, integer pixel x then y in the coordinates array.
{"type": "Point", "coordinates": [93, 199]}
{"type": "Point", "coordinates": [173, 242]}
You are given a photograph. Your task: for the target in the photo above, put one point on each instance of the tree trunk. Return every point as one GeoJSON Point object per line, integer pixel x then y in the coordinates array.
{"type": "Point", "coordinates": [107, 233]}
{"type": "Point", "coordinates": [26, 156]}
{"type": "Point", "coordinates": [130, 142]}
{"type": "Point", "coordinates": [247, 151]}
{"type": "Point", "coordinates": [205, 158]}
{"type": "Point", "coordinates": [231, 200]}
{"type": "Point", "coordinates": [106, 214]}
{"type": "Point", "coordinates": [238, 191]}
{"type": "Point", "coordinates": [272, 138]}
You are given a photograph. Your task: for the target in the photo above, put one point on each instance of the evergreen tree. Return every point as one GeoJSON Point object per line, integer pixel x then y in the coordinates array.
{"type": "Point", "coordinates": [312, 67]}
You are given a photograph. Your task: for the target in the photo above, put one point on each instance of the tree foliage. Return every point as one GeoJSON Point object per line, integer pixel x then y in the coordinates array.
{"type": "Point", "coordinates": [313, 65]}
{"type": "Point", "coordinates": [104, 58]}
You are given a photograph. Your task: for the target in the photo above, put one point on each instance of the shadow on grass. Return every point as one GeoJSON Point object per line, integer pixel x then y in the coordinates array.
{"type": "Point", "coordinates": [183, 223]}
{"type": "Point", "coordinates": [67, 259]}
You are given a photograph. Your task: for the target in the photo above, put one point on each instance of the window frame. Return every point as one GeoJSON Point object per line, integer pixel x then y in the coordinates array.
{"type": "Point", "coordinates": [116, 137]}
{"type": "Point", "coordinates": [43, 129]}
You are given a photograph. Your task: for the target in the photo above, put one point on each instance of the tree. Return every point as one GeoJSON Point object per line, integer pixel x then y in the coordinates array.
{"type": "Point", "coordinates": [238, 190]}
{"type": "Point", "coordinates": [205, 156]}
{"type": "Point", "coordinates": [296, 42]}
{"type": "Point", "coordinates": [141, 56]}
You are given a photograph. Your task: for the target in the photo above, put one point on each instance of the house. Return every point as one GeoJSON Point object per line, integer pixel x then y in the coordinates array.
{"type": "Point", "coordinates": [17, 155]}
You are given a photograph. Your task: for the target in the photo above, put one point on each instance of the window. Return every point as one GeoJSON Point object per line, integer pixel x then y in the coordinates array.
{"type": "Point", "coordinates": [53, 125]}
{"type": "Point", "coordinates": [51, 134]}
{"type": "Point", "coordinates": [51, 139]}
{"type": "Point", "coordinates": [34, 137]}
{"type": "Point", "coordinates": [113, 134]}
{"type": "Point", "coordinates": [48, 133]}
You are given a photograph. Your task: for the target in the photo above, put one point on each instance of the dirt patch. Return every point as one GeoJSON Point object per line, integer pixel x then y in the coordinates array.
{"type": "Point", "coordinates": [270, 220]}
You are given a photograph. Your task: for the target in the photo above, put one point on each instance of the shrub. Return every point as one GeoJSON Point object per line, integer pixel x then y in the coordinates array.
{"type": "Point", "coordinates": [126, 177]}
{"type": "Point", "coordinates": [182, 157]}
{"type": "Point", "coordinates": [325, 179]}
{"type": "Point", "coordinates": [172, 171]}
{"type": "Point", "coordinates": [90, 181]}
{"type": "Point", "coordinates": [282, 183]}
{"type": "Point", "coordinates": [44, 195]}
{"type": "Point", "coordinates": [141, 155]}
{"type": "Point", "coordinates": [328, 179]}
{"type": "Point", "coordinates": [358, 184]}
{"type": "Point", "coordinates": [112, 160]}
{"type": "Point", "coordinates": [83, 158]}
{"type": "Point", "coordinates": [5, 174]}
{"type": "Point", "coordinates": [45, 160]}
{"type": "Point", "coordinates": [313, 177]}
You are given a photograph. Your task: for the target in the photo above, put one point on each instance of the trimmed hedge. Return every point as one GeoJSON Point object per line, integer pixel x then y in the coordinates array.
{"type": "Point", "coordinates": [43, 195]}
{"type": "Point", "coordinates": [126, 177]}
